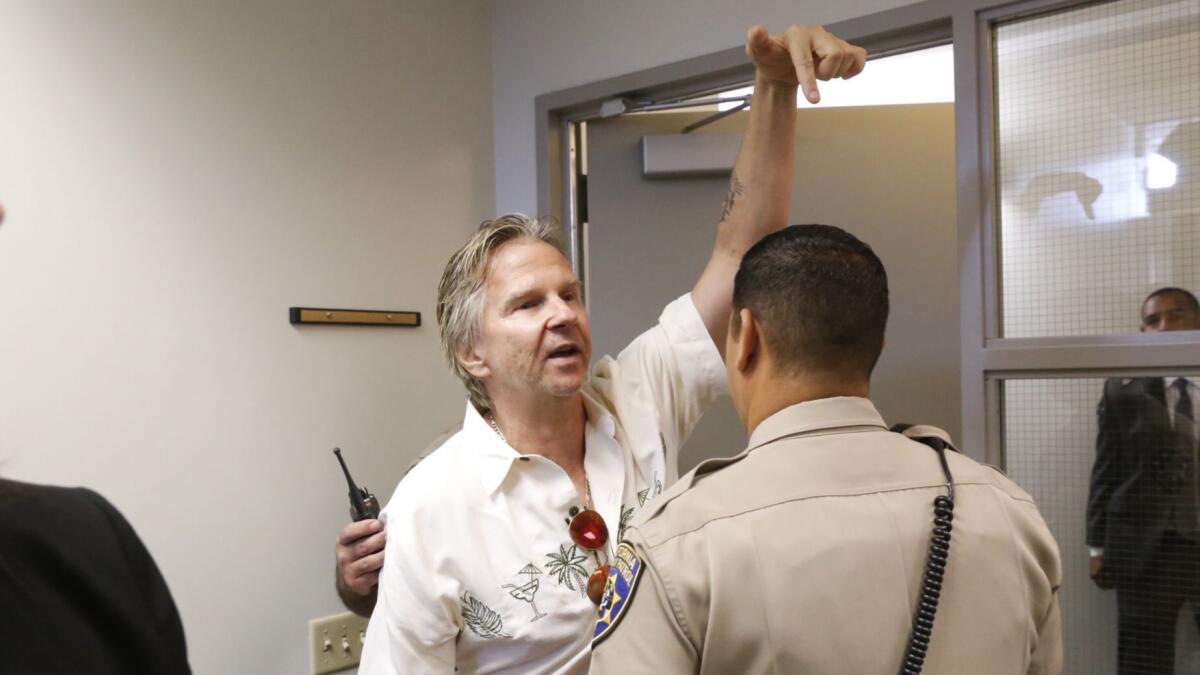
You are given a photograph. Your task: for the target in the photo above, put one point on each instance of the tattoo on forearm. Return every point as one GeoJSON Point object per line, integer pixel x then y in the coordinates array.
{"type": "Point", "coordinates": [735, 191]}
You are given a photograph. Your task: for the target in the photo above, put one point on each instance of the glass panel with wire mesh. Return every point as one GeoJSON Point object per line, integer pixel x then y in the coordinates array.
{"type": "Point", "coordinates": [1112, 465]}
{"type": "Point", "coordinates": [1098, 173]}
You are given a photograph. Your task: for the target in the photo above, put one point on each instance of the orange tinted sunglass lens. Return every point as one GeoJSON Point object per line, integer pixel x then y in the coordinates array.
{"type": "Point", "coordinates": [588, 530]}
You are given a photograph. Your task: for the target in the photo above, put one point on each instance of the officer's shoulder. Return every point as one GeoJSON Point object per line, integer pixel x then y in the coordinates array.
{"type": "Point", "coordinates": [968, 471]}
{"type": "Point", "coordinates": [685, 504]}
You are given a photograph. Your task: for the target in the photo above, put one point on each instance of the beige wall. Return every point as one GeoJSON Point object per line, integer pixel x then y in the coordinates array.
{"type": "Point", "coordinates": [177, 175]}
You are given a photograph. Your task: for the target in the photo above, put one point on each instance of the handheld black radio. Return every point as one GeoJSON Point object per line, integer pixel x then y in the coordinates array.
{"type": "Point", "coordinates": [363, 504]}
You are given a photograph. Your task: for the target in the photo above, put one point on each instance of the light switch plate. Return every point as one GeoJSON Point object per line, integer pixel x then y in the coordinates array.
{"type": "Point", "coordinates": [335, 642]}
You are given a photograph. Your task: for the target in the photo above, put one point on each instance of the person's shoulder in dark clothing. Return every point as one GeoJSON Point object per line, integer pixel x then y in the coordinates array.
{"type": "Point", "coordinates": [79, 592]}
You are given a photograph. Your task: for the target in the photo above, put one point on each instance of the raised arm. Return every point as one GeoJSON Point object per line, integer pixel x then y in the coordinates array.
{"type": "Point", "coordinates": [760, 187]}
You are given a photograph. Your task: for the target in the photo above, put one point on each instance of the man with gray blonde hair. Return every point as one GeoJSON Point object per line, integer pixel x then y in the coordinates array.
{"type": "Point", "coordinates": [498, 543]}
{"type": "Point", "coordinates": [460, 293]}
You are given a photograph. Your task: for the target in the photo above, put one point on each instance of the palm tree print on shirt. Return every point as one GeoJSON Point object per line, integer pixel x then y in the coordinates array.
{"type": "Point", "coordinates": [626, 516]}
{"type": "Point", "coordinates": [567, 567]}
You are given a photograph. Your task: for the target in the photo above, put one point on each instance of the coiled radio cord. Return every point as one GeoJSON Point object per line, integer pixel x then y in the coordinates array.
{"type": "Point", "coordinates": [935, 567]}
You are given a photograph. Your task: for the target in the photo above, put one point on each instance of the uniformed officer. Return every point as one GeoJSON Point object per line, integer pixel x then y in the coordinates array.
{"type": "Point", "coordinates": [805, 553]}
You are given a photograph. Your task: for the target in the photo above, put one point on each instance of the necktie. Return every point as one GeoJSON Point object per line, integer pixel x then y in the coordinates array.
{"type": "Point", "coordinates": [1185, 426]}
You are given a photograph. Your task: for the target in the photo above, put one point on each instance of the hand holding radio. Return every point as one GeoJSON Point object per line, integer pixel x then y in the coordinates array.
{"type": "Point", "coordinates": [359, 548]}
{"type": "Point", "coordinates": [359, 558]}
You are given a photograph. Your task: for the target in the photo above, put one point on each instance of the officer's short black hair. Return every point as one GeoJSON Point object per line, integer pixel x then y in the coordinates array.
{"type": "Point", "coordinates": [1180, 292]}
{"type": "Point", "coordinates": [820, 296]}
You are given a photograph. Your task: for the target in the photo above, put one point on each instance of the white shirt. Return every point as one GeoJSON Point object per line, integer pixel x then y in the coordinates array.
{"type": "Point", "coordinates": [479, 570]}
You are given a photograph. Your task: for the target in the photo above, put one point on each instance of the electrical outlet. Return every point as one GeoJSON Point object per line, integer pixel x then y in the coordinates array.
{"type": "Point", "coordinates": [335, 642]}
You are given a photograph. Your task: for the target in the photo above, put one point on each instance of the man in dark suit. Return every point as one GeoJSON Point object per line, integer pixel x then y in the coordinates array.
{"type": "Point", "coordinates": [79, 591]}
{"type": "Point", "coordinates": [1142, 506]}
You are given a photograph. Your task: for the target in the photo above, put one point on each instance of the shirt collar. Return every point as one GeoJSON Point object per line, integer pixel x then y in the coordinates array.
{"type": "Point", "coordinates": [495, 457]}
{"type": "Point", "coordinates": [598, 419]}
{"type": "Point", "coordinates": [830, 414]}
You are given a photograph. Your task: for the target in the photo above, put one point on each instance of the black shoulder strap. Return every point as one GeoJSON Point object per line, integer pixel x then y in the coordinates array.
{"type": "Point", "coordinates": [932, 441]}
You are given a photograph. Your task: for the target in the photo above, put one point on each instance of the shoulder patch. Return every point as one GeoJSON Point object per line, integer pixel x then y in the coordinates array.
{"type": "Point", "coordinates": [623, 577]}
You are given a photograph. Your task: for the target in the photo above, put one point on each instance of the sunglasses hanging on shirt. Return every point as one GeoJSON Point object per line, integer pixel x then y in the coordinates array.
{"type": "Point", "coordinates": [589, 532]}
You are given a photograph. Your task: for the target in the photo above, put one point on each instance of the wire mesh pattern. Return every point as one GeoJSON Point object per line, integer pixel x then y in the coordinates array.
{"type": "Point", "coordinates": [1098, 164]}
{"type": "Point", "coordinates": [1111, 466]}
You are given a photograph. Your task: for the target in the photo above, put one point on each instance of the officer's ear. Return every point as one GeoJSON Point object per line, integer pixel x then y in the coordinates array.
{"type": "Point", "coordinates": [748, 343]}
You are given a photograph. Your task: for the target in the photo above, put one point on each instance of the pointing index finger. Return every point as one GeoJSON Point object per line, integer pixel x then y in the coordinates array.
{"type": "Point", "coordinates": [800, 47]}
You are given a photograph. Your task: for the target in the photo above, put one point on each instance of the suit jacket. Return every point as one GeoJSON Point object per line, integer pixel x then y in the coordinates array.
{"type": "Point", "coordinates": [79, 593]}
{"type": "Point", "coordinates": [1132, 489]}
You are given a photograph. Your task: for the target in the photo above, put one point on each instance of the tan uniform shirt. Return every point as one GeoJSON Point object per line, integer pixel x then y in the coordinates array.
{"type": "Point", "coordinates": [805, 554]}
